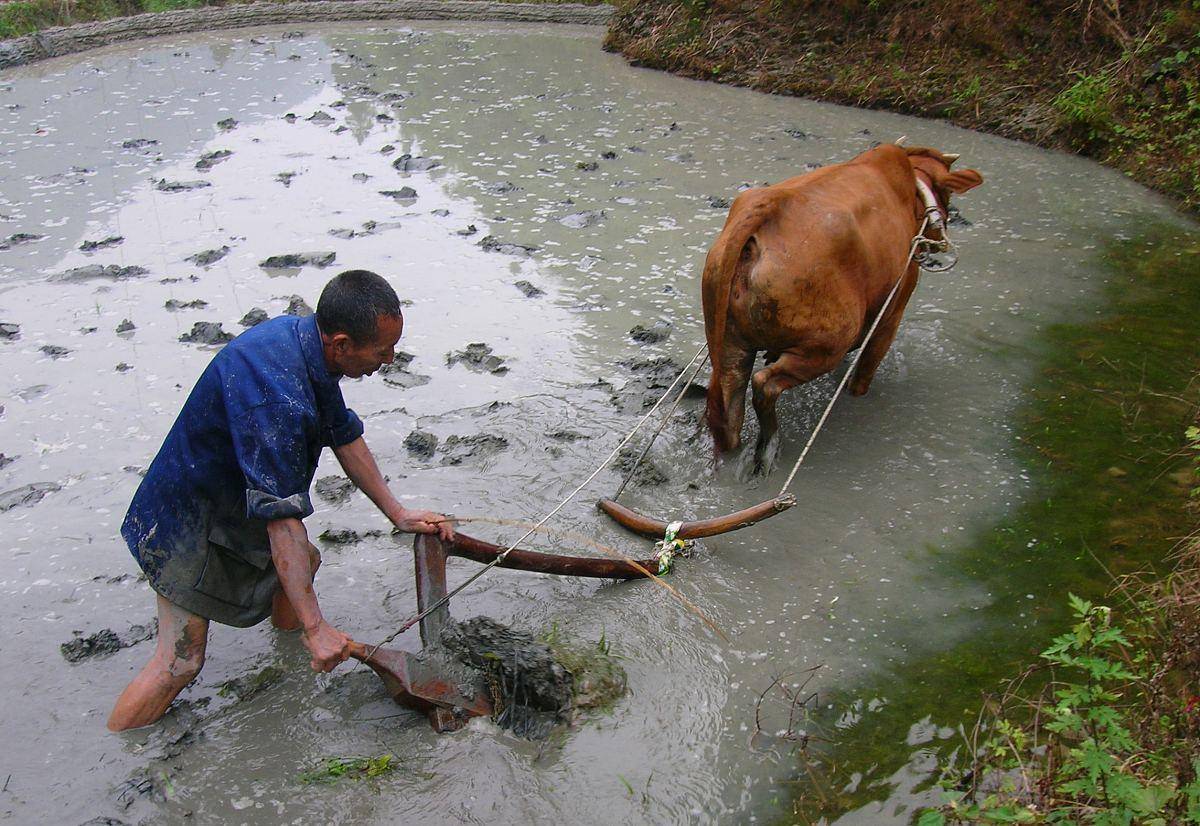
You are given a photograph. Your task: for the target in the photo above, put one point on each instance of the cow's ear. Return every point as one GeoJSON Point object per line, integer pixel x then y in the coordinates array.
{"type": "Point", "coordinates": [960, 181]}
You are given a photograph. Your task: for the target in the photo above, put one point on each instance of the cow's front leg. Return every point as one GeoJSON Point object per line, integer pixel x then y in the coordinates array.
{"type": "Point", "coordinates": [875, 349]}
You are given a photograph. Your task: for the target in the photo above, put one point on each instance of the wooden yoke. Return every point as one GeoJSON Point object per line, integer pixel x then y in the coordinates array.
{"type": "Point", "coordinates": [656, 528]}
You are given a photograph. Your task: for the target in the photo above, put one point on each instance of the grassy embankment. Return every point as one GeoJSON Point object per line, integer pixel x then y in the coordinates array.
{"type": "Point", "coordinates": [22, 17]}
{"type": "Point", "coordinates": [1115, 80]}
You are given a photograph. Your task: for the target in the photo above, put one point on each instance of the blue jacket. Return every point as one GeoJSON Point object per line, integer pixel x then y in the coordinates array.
{"type": "Point", "coordinates": [242, 451]}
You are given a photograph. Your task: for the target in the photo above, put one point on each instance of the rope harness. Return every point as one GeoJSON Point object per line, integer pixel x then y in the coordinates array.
{"type": "Point", "coordinates": [923, 249]}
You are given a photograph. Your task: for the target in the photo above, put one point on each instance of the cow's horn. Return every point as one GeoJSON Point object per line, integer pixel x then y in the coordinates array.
{"type": "Point", "coordinates": [951, 157]}
{"type": "Point", "coordinates": [900, 140]}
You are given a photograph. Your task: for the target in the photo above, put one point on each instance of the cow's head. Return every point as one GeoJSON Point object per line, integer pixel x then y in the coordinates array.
{"type": "Point", "coordinates": [935, 166]}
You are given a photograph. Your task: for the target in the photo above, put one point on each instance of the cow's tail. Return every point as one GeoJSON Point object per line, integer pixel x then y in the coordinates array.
{"type": "Point", "coordinates": [720, 268]}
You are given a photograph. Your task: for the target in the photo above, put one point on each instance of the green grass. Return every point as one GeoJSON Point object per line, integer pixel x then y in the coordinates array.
{"type": "Point", "coordinates": [334, 769]}
{"type": "Point", "coordinates": [23, 17]}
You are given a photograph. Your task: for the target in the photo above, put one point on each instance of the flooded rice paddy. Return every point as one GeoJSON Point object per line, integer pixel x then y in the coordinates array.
{"type": "Point", "coordinates": [558, 199]}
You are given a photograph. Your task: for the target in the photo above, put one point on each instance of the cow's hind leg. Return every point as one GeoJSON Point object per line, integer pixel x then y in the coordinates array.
{"type": "Point", "coordinates": [727, 397]}
{"type": "Point", "coordinates": [877, 347]}
{"type": "Point", "coordinates": [785, 372]}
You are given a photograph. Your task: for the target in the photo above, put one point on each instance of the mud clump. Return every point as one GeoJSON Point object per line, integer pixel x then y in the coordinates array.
{"type": "Point", "coordinates": [174, 304]}
{"type": "Point", "coordinates": [397, 373]}
{"type": "Point", "coordinates": [407, 163]}
{"type": "Point", "coordinates": [458, 449]}
{"type": "Point", "coordinates": [536, 684]}
{"type": "Point", "coordinates": [206, 332]}
{"type": "Point", "coordinates": [661, 331]}
{"type": "Point", "coordinates": [54, 351]}
{"type": "Point", "coordinates": [583, 220]}
{"type": "Point", "coordinates": [208, 257]}
{"type": "Point", "coordinates": [478, 357]}
{"type": "Point", "coordinates": [16, 239]}
{"type": "Point", "coordinates": [334, 489]}
{"type": "Point", "coordinates": [297, 306]}
{"type": "Point", "coordinates": [501, 188]}
{"type": "Point", "coordinates": [106, 641]}
{"type": "Point", "coordinates": [404, 193]}
{"type": "Point", "coordinates": [243, 688]}
{"type": "Point", "coordinates": [651, 377]}
{"type": "Point", "coordinates": [93, 271]}
{"type": "Point", "coordinates": [647, 474]}
{"type": "Point", "coordinates": [529, 290]}
{"type": "Point", "coordinates": [27, 495]}
{"type": "Point", "coordinates": [421, 444]}
{"type": "Point", "coordinates": [5, 461]}
{"type": "Point", "coordinates": [254, 317]}
{"type": "Point", "coordinates": [210, 159]}
{"type": "Point", "coordinates": [295, 260]}
{"type": "Point", "coordinates": [163, 185]}
{"type": "Point", "coordinates": [126, 326]}
{"type": "Point", "coordinates": [346, 536]}
{"type": "Point", "coordinates": [110, 241]}
{"type": "Point", "coordinates": [531, 691]}
{"type": "Point", "coordinates": [9, 331]}
{"type": "Point", "coordinates": [598, 680]}
{"type": "Point", "coordinates": [491, 243]}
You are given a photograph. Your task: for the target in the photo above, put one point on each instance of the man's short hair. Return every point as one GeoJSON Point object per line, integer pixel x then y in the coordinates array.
{"type": "Point", "coordinates": [352, 303]}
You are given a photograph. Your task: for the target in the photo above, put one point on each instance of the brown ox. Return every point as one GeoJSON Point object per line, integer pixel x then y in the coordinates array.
{"type": "Point", "coordinates": [802, 268]}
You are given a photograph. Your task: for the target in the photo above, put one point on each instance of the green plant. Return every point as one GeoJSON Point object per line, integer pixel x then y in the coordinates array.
{"type": "Point", "coordinates": [1087, 104]}
{"type": "Point", "coordinates": [1192, 435]}
{"type": "Point", "coordinates": [1084, 755]}
{"type": "Point", "coordinates": [355, 768]}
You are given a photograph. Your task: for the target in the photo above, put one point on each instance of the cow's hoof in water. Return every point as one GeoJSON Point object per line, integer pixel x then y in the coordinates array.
{"type": "Point", "coordinates": [765, 456]}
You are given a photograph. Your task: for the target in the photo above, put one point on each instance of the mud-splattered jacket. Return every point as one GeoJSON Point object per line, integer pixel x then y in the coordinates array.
{"type": "Point", "coordinates": [243, 451]}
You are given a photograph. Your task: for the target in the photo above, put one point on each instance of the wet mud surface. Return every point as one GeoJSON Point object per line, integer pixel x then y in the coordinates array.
{"type": "Point", "coordinates": [550, 262]}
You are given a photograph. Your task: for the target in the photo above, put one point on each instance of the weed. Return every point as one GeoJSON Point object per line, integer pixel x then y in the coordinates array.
{"type": "Point", "coordinates": [354, 768]}
{"type": "Point", "coordinates": [1087, 104]}
{"type": "Point", "coordinates": [1075, 756]}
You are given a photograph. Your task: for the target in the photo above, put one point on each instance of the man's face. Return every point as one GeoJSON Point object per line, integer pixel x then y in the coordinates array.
{"type": "Point", "coordinates": [354, 360]}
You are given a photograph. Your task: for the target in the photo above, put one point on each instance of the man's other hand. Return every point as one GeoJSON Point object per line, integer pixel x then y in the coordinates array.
{"type": "Point", "coordinates": [413, 521]}
{"type": "Point", "coordinates": [328, 646]}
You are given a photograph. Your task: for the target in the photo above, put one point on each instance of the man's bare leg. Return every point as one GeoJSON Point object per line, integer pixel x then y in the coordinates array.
{"type": "Point", "coordinates": [182, 637]}
{"type": "Point", "coordinates": [283, 615]}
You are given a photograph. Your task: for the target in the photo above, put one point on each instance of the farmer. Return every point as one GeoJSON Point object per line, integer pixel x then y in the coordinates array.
{"type": "Point", "coordinates": [216, 524]}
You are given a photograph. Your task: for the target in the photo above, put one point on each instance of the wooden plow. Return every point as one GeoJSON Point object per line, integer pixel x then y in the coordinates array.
{"type": "Point", "coordinates": [427, 681]}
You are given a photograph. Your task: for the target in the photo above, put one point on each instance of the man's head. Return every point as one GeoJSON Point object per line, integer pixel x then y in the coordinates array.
{"type": "Point", "coordinates": [360, 321]}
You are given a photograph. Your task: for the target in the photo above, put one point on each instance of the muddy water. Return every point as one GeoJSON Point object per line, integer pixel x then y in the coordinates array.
{"type": "Point", "coordinates": [516, 118]}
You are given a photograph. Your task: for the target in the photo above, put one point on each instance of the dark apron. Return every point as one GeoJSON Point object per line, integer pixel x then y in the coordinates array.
{"type": "Point", "coordinates": [225, 574]}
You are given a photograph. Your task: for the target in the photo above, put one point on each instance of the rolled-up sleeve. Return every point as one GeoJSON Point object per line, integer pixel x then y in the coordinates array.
{"type": "Point", "coordinates": [269, 441]}
{"type": "Point", "coordinates": [345, 428]}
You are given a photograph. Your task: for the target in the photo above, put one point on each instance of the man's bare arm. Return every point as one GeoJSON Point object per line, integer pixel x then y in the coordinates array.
{"type": "Point", "coordinates": [356, 459]}
{"type": "Point", "coordinates": [289, 551]}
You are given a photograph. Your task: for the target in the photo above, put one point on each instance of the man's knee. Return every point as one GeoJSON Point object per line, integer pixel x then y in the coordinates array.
{"type": "Point", "coordinates": [314, 558]}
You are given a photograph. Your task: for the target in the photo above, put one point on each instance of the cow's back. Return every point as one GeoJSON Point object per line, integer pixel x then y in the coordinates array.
{"type": "Point", "coordinates": [826, 247]}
